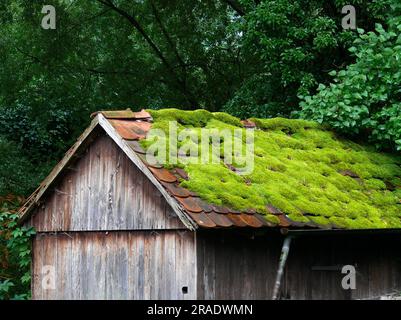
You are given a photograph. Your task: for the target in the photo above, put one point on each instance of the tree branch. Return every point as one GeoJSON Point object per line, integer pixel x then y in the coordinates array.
{"type": "Point", "coordinates": [181, 84]}
{"type": "Point", "coordinates": [235, 6]}
{"type": "Point", "coordinates": [165, 33]}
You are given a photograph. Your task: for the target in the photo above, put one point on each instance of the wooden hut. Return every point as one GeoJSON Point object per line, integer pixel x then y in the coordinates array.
{"type": "Point", "coordinates": [112, 226]}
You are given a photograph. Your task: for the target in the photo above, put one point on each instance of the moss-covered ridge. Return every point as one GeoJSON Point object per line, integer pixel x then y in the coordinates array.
{"type": "Point", "coordinates": [300, 168]}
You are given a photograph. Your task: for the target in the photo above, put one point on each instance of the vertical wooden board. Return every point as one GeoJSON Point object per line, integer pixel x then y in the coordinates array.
{"type": "Point", "coordinates": [139, 240]}
{"type": "Point", "coordinates": [121, 266]}
{"type": "Point", "coordinates": [159, 277]}
{"type": "Point", "coordinates": [132, 262]}
{"type": "Point", "coordinates": [187, 264]}
{"type": "Point", "coordinates": [206, 267]}
{"type": "Point", "coordinates": [66, 269]}
{"type": "Point", "coordinates": [37, 260]}
{"type": "Point", "coordinates": [49, 256]}
{"type": "Point", "coordinates": [94, 182]}
{"type": "Point", "coordinates": [75, 249]}
{"type": "Point", "coordinates": [65, 205]}
{"type": "Point", "coordinates": [169, 257]}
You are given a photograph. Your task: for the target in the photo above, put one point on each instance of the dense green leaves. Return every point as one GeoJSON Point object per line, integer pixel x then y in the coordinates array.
{"type": "Point", "coordinates": [249, 58]}
{"type": "Point", "coordinates": [15, 253]}
{"type": "Point", "coordinates": [289, 47]}
{"type": "Point", "coordinates": [365, 97]}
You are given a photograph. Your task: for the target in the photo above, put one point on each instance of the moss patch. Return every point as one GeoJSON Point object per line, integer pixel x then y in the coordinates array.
{"type": "Point", "coordinates": [299, 168]}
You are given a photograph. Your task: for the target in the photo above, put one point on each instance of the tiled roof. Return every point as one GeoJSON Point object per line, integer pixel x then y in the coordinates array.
{"type": "Point", "coordinates": [133, 128]}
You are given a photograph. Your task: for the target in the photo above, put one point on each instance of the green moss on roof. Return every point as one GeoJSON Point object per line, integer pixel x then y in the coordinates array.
{"type": "Point", "coordinates": [297, 167]}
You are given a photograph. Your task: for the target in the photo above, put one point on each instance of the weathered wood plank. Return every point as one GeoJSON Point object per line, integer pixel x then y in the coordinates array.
{"type": "Point", "coordinates": [104, 190]}
{"type": "Point", "coordinates": [116, 265]}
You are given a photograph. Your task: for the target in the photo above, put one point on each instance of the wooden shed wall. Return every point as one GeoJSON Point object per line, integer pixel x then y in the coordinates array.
{"type": "Point", "coordinates": [104, 190]}
{"type": "Point", "coordinates": [232, 266]}
{"type": "Point", "coordinates": [314, 266]}
{"type": "Point", "coordinates": [116, 265]}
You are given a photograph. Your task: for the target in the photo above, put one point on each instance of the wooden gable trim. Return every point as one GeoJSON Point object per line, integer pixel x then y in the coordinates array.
{"type": "Point", "coordinates": [39, 192]}
{"type": "Point", "coordinates": [112, 133]}
{"type": "Point", "coordinates": [102, 122]}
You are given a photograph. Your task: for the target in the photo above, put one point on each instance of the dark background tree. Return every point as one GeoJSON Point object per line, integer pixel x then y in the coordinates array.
{"type": "Point", "coordinates": [246, 57]}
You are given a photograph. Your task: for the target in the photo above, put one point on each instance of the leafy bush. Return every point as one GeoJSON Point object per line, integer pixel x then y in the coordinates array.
{"type": "Point", "coordinates": [15, 250]}
{"type": "Point", "coordinates": [365, 98]}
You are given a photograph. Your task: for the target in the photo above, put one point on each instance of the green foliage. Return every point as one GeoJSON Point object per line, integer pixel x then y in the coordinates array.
{"type": "Point", "coordinates": [297, 168]}
{"type": "Point", "coordinates": [15, 253]}
{"type": "Point", "coordinates": [288, 45]}
{"type": "Point", "coordinates": [365, 98]}
{"type": "Point", "coordinates": [17, 173]}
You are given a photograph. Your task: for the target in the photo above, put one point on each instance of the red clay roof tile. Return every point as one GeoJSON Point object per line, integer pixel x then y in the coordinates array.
{"type": "Point", "coordinates": [205, 206]}
{"type": "Point", "coordinates": [263, 220]}
{"type": "Point", "coordinates": [143, 114]}
{"type": "Point", "coordinates": [190, 204]}
{"type": "Point", "coordinates": [149, 160]}
{"type": "Point", "coordinates": [202, 220]}
{"type": "Point", "coordinates": [272, 209]}
{"type": "Point", "coordinates": [248, 124]}
{"type": "Point", "coordinates": [236, 220]}
{"type": "Point", "coordinates": [176, 190]}
{"type": "Point", "coordinates": [284, 222]}
{"type": "Point", "coordinates": [220, 209]}
{"type": "Point", "coordinates": [220, 219]}
{"type": "Point", "coordinates": [135, 145]}
{"type": "Point", "coordinates": [131, 130]}
{"type": "Point", "coordinates": [125, 114]}
{"type": "Point", "coordinates": [163, 174]}
{"type": "Point", "coordinates": [348, 173]}
{"type": "Point", "coordinates": [251, 221]}
{"type": "Point", "coordinates": [181, 173]}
